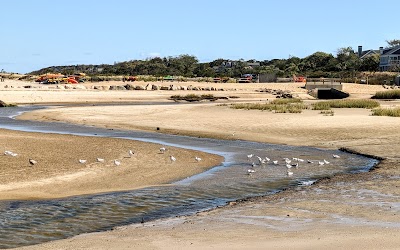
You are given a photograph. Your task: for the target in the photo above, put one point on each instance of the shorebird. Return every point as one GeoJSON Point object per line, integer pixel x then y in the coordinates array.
{"type": "Point", "coordinates": [172, 158]}
{"type": "Point", "coordinates": [197, 159]}
{"type": "Point", "coordinates": [249, 156]}
{"type": "Point", "coordinates": [326, 162]}
{"type": "Point", "coordinates": [321, 163]}
{"type": "Point", "coordinates": [10, 153]}
{"type": "Point", "coordinates": [162, 150]}
{"type": "Point", "coordinates": [131, 153]}
{"type": "Point", "coordinates": [32, 162]}
{"type": "Point", "coordinates": [288, 161]}
{"type": "Point", "coordinates": [336, 156]}
{"type": "Point", "coordinates": [288, 166]}
{"type": "Point", "coordinates": [100, 160]}
{"type": "Point", "coordinates": [117, 162]}
{"type": "Point", "coordinates": [310, 161]}
{"type": "Point", "coordinates": [300, 160]}
{"type": "Point", "coordinates": [275, 162]}
{"type": "Point", "coordinates": [250, 171]}
{"type": "Point", "coordinates": [82, 161]}
{"type": "Point", "coordinates": [267, 159]}
{"type": "Point", "coordinates": [295, 165]}
{"type": "Point", "coordinates": [289, 173]}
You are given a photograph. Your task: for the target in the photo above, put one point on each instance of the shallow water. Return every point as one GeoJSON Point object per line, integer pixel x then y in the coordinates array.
{"type": "Point", "coordinates": [32, 222]}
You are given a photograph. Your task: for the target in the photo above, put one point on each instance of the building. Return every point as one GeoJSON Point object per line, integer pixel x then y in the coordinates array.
{"type": "Point", "coordinates": [389, 58]}
{"type": "Point", "coordinates": [362, 54]}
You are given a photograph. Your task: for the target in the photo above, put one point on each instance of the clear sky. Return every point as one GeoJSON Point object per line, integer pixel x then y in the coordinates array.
{"type": "Point", "coordinates": [41, 33]}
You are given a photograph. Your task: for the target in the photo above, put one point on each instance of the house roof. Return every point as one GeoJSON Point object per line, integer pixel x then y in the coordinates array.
{"type": "Point", "coordinates": [392, 51]}
{"type": "Point", "coordinates": [366, 53]}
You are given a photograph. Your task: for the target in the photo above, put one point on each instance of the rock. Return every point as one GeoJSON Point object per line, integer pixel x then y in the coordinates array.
{"type": "Point", "coordinates": [138, 87]}
{"type": "Point", "coordinates": [3, 104]}
{"type": "Point", "coordinates": [164, 88]}
{"type": "Point", "coordinates": [129, 87]}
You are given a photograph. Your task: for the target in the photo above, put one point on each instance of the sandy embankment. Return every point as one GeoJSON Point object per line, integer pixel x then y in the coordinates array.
{"type": "Point", "coordinates": [352, 212]}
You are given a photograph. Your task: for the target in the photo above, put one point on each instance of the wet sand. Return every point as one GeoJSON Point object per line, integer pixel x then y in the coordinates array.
{"type": "Point", "coordinates": [347, 211]}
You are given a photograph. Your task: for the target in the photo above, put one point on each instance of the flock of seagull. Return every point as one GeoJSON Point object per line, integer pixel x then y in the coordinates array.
{"type": "Point", "coordinates": [289, 163]}
{"type": "Point", "coordinates": [116, 162]}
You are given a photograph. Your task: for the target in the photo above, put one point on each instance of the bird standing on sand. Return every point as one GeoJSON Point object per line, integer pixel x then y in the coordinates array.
{"type": "Point", "coordinates": [336, 156]}
{"type": "Point", "coordinates": [82, 161]}
{"type": "Point", "coordinates": [100, 160]}
{"type": "Point", "coordinates": [197, 159]}
{"type": "Point", "coordinates": [131, 153]}
{"type": "Point", "coordinates": [289, 173]}
{"type": "Point", "coordinates": [249, 156]}
{"type": "Point", "coordinates": [326, 162]}
{"type": "Point", "coordinates": [172, 158]}
{"type": "Point", "coordinates": [32, 162]}
{"type": "Point", "coordinates": [10, 153]}
{"type": "Point", "coordinates": [250, 171]}
{"type": "Point", "coordinates": [117, 162]}
{"type": "Point", "coordinates": [162, 150]}
{"type": "Point", "coordinates": [275, 162]}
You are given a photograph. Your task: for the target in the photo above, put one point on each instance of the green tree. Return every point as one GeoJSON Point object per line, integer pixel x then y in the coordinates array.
{"type": "Point", "coordinates": [370, 63]}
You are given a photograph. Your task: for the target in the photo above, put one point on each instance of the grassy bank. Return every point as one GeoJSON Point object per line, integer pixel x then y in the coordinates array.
{"type": "Point", "coordinates": [326, 105]}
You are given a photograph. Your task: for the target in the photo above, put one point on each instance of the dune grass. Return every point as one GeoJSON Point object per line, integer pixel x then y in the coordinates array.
{"type": "Point", "coordinates": [395, 112]}
{"type": "Point", "coordinates": [389, 94]}
{"type": "Point", "coordinates": [351, 103]}
{"type": "Point", "coordinates": [277, 106]}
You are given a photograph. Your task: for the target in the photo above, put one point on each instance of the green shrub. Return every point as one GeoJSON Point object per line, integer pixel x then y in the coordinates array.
{"type": "Point", "coordinates": [386, 112]}
{"type": "Point", "coordinates": [277, 108]}
{"type": "Point", "coordinates": [286, 101]}
{"type": "Point", "coordinates": [389, 94]}
{"type": "Point", "coordinates": [363, 103]}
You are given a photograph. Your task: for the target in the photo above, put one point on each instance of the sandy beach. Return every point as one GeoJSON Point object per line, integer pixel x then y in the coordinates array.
{"type": "Point", "coordinates": [359, 211]}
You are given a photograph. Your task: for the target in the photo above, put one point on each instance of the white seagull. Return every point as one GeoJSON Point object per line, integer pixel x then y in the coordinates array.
{"type": "Point", "coordinates": [249, 156]}
{"type": "Point", "coordinates": [10, 153]}
{"type": "Point", "coordinates": [82, 161]}
{"type": "Point", "coordinates": [172, 158]}
{"type": "Point", "coordinates": [336, 156]}
{"type": "Point", "coordinates": [321, 163]}
{"type": "Point", "coordinates": [326, 162]}
{"type": "Point", "coordinates": [100, 160]}
{"type": "Point", "coordinates": [197, 159]}
{"type": "Point", "coordinates": [289, 173]}
{"type": "Point", "coordinates": [275, 162]}
{"type": "Point", "coordinates": [250, 171]}
{"type": "Point", "coordinates": [162, 150]}
{"type": "Point", "coordinates": [117, 162]}
{"type": "Point", "coordinates": [131, 153]}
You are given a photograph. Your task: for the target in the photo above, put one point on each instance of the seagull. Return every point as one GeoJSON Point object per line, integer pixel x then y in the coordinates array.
{"type": "Point", "coordinates": [10, 153]}
{"type": "Point", "coordinates": [267, 159]}
{"type": "Point", "coordinates": [250, 171]}
{"type": "Point", "coordinates": [336, 156]}
{"type": "Point", "coordinates": [300, 160]}
{"type": "Point", "coordinates": [197, 159]}
{"type": "Point", "coordinates": [82, 161]}
{"type": "Point", "coordinates": [310, 161]}
{"type": "Point", "coordinates": [321, 163]}
{"type": "Point", "coordinates": [326, 162]}
{"type": "Point", "coordinates": [131, 153]}
{"type": "Point", "coordinates": [172, 158]}
{"type": "Point", "coordinates": [100, 160]}
{"type": "Point", "coordinates": [289, 173]}
{"type": "Point", "coordinates": [295, 165]}
{"type": "Point", "coordinates": [117, 162]}
{"type": "Point", "coordinates": [287, 161]}
{"type": "Point", "coordinates": [295, 159]}
{"type": "Point", "coordinates": [249, 156]}
{"type": "Point", "coordinates": [288, 166]}
{"type": "Point", "coordinates": [32, 162]}
{"type": "Point", "coordinates": [275, 162]}
{"type": "Point", "coordinates": [162, 150]}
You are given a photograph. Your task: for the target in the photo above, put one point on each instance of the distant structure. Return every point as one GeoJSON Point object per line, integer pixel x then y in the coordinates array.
{"type": "Point", "coordinates": [362, 54]}
{"type": "Point", "coordinates": [389, 58]}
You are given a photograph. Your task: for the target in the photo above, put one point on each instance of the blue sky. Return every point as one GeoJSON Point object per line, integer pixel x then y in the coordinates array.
{"type": "Point", "coordinates": [42, 33]}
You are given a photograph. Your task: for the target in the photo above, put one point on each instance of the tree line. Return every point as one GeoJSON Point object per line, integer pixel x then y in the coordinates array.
{"type": "Point", "coordinates": [344, 64]}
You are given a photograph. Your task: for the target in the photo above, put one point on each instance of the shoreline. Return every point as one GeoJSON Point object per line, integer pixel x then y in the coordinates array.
{"type": "Point", "coordinates": [349, 211]}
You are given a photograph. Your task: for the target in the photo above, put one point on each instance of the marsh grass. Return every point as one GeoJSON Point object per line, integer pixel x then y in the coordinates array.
{"type": "Point", "coordinates": [327, 112]}
{"type": "Point", "coordinates": [389, 94]}
{"type": "Point", "coordinates": [276, 106]}
{"type": "Point", "coordinates": [362, 103]}
{"type": "Point", "coordinates": [395, 112]}
{"type": "Point", "coordinates": [195, 98]}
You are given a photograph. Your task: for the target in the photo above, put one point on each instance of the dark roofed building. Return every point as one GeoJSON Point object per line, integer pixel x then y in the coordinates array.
{"type": "Point", "coordinates": [389, 58]}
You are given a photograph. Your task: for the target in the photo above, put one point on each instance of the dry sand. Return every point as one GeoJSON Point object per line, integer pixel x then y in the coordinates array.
{"type": "Point", "coordinates": [348, 211]}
